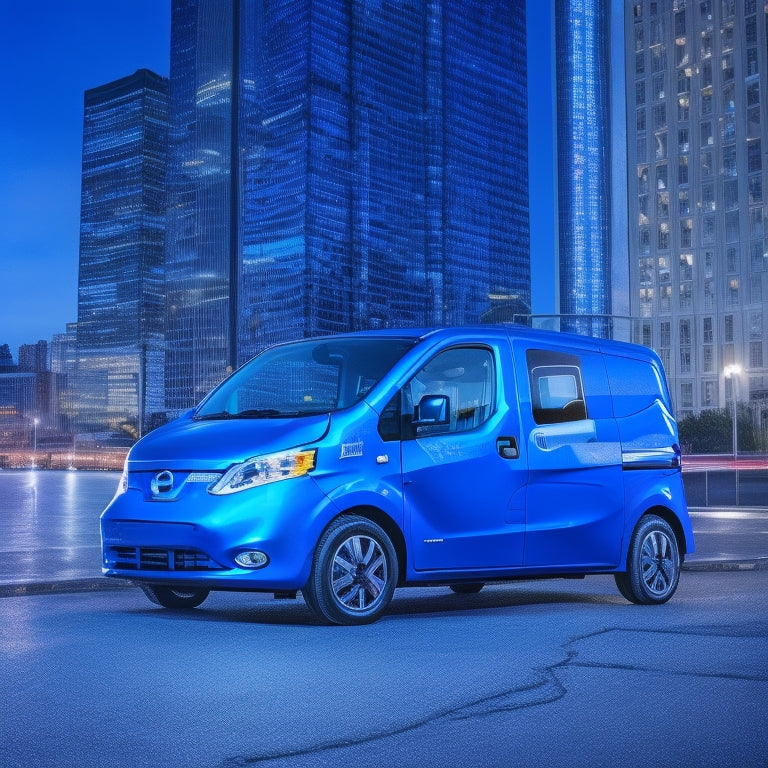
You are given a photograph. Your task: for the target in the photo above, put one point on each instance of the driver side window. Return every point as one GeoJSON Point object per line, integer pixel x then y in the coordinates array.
{"type": "Point", "coordinates": [463, 375]}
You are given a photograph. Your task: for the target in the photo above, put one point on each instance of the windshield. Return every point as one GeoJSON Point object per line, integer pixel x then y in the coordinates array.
{"type": "Point", "coordinates": [303, 378]}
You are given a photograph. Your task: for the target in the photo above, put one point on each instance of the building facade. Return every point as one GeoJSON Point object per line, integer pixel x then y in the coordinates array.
{"type": "Point", "coordinates": [340, 166]}
{"type": "Point", "coordinates": [582, 54]}
{"type": "Point", "coordinates": [577, 145]}
{"type": "Point", "coordinates": [33, 358]}
{"type": "Point", "coordinates": [26, 406]}
{"type": "Point", "coordinates": [119, 348]}
{"type": "Point", "coordinates": [64, 380]}
{"type": "Point", "coordinates": [698, 136]}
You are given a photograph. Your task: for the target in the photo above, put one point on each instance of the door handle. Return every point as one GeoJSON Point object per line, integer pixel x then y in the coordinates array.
{"type": "Point", "coordinates": [507, 448]}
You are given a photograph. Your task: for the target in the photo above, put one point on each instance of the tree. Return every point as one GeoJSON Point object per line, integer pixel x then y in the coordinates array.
{"type": "Point", "coordinates": [711, 431]}
{"type": "Point", "coordinates": [708, 432]}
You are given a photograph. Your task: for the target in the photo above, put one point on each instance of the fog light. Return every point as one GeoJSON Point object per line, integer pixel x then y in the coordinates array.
{"type": "Point", "coordinates": [253, 559]}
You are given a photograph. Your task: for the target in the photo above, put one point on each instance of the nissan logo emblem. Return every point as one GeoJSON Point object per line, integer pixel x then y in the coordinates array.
{"type": "Point", "coordinates": [162, 482]}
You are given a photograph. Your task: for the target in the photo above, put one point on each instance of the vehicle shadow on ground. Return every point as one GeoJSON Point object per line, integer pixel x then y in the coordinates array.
{"type": "Point", "coordinates": [407, 603]}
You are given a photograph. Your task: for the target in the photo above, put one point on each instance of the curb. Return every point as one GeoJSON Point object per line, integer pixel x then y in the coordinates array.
{"type": "Point", "coordinates": [113, 585]}
{"type": "Point", "coordinates": [62, 587]}
{"type": "Point", "coordinates": [751, 564]}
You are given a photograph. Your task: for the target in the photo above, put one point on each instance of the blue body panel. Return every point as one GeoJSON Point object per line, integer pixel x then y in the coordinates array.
{"type": "Point", "coordinates": [520, 494]}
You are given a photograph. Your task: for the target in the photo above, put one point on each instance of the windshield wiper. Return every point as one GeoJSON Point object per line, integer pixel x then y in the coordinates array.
{"type": "Point", "coordinates": [248, 413]}
{"type": "Point", "coordinates": [213, 416]}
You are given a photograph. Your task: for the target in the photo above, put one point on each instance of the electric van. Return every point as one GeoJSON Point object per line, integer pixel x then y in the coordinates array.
{"type": "Point", "coordinates": [350, 465]}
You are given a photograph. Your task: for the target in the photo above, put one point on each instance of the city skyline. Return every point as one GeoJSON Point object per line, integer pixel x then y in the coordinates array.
{"type": "Point", "coordinates": [373, 173]}
{"type": "Point", "coordinates": [65, 53]}
{"type": "Point", "coordinates": [50, 54]}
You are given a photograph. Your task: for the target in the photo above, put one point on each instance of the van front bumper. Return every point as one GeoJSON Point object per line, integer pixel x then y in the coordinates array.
{"type": "Point", "coordinates": [193, 539]}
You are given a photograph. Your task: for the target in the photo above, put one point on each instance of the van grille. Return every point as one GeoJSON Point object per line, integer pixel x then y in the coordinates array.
{"type": "Point", "coordinates": [158, 559]}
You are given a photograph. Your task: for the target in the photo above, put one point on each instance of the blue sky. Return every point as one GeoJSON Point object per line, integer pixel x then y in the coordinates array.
{"type": "Point", "coordinates": [51, 52]}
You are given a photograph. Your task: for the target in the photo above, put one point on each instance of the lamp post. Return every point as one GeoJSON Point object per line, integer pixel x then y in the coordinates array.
{"type": "Point", "coordinates": [731, 372]}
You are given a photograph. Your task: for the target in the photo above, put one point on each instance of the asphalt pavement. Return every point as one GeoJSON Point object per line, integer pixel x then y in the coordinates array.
{"type": "Point", "coordinates": [727, 539]}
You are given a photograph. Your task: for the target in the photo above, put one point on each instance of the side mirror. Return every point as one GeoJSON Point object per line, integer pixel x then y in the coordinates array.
{"type": "Point", "coordinates": [432, 411]}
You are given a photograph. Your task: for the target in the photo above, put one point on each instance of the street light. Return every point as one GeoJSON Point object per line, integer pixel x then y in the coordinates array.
{"type": "Point", "coordinates": [731, 372]}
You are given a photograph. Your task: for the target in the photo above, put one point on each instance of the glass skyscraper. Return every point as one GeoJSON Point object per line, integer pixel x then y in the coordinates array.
{"type": "Point", "coordinates": [337, 166]}
{"type": "Point", "coordinates": [584, 162]}
{"type": "Point", "coordinates": [696, 80]}
{"type": "Point", "coordinates": [122, 230]}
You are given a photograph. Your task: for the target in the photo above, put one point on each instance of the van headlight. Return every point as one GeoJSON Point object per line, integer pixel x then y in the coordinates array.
{"type": "Point", "coordinates": [261, 470]}
{"type": "Point", "coordinates": [122, 485]}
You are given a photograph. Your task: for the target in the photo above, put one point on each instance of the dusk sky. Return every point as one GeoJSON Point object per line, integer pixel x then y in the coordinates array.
{"type": "Point", "coordinates": [51, 52]}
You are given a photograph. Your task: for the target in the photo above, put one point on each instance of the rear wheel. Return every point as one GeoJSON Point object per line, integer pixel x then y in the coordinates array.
{"type": "Point", "coordinates": [653, 563]}
{"type": "Point", "coordinates": [354, 573]}
{"type": "Point", "coordinates": [174, 597]}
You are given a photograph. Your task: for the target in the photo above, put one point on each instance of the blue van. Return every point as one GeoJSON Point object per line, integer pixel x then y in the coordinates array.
{"type": "Point", "coordinates": [347, 466]}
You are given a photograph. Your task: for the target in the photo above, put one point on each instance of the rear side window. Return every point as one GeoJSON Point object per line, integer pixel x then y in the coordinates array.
{"type": "Point", "coordinates": [557, 391]}
{"type": "Point", "coordinates": [635, 384]}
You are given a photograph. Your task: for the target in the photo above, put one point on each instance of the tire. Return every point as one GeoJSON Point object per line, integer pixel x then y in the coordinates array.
{"type": "Point", "coordinates": [174, 597]}
{"type": "Point", "coordinates": [470, 588]}
{"type": "Point", "coordinates": [354, 573]}
{"type": "Point", "coordinates": [653, 563]}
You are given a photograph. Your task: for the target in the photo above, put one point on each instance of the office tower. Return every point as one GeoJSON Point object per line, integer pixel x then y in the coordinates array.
{"type": "Point", "coordinates": [21, 409]}
{"type": "Point", "coordinates": [122, 228]}
{"type": "Point", "coordinates": [202, 244]}
{"type": "Point", "coordinates": [7, 365]}
{"type": "Point", "coordinates": [696, 79]}
{"type": "Point", "coordinates": [33, 358]}
{"type": "Point", "coordinates": [64, 379]}
{"type": "Point", "coordinates": [585, 150]}
{"type": "Point", "coordinates": [25, 394]}
{"type": "Point", "coordinates": [337, 166]}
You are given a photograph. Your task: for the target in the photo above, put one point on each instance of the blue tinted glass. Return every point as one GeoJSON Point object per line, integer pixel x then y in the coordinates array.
{"type": "Point", "coordinates": [122, 233]}
{"type": "Point", "coordinates": [582, 61]}
{"type": "Point", "coordinates": [341, 166]}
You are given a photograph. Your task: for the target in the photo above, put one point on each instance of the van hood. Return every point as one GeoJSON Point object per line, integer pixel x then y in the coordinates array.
{"type": "Point", "coordinates": [216, 445]}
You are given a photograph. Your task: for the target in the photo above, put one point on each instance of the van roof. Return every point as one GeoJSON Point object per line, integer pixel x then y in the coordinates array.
{"type": "Point", "coordinates": [467, 333]}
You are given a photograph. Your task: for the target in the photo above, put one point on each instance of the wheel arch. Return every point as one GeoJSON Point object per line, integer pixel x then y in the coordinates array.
{"type": "Point", "coordinates": [666, 514]}
{"type": "Point", "coordinates": [387, 524]}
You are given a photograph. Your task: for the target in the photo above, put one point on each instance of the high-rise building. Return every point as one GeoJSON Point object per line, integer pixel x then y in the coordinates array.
{"type": "Point", "coordinates": [33, 358]}
{"type": "Point", "coordinates": [7, 365]}
{"type": "Point", "coordinates": [583, 152]}
{"type": "Point", "coordinates": [698, 135]}
{"type": "Point", "coordinates": [63, 379]}
{"type": "Point", "coordinates": [577, 142]}
{"type": "Point", "coordinates": [202, 244]}
{"type": "Point", "coordinates": [25, 395]}
{"type": "Point", "coordinates": [122, 230]}
{"type": "Point", "coordinates": [340, 166]}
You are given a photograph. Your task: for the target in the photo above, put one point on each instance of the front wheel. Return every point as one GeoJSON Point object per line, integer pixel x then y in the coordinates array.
{"type": "Point", "coordinates": [354, 572]}
{"type": "Point", "coordinates": [653, 563]}
{"type": "Point", "coordinates": [173, 597]}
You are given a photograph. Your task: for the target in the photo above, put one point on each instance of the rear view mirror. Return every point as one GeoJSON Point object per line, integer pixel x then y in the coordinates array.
{"type": "Point", "coordinates": [432, 411]}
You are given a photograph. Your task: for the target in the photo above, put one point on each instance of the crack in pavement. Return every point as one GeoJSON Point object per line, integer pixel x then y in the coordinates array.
{"type": "Point", "coordinates": [667, 669]}
{"type": "Point", "coordinates": [546, 689]}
